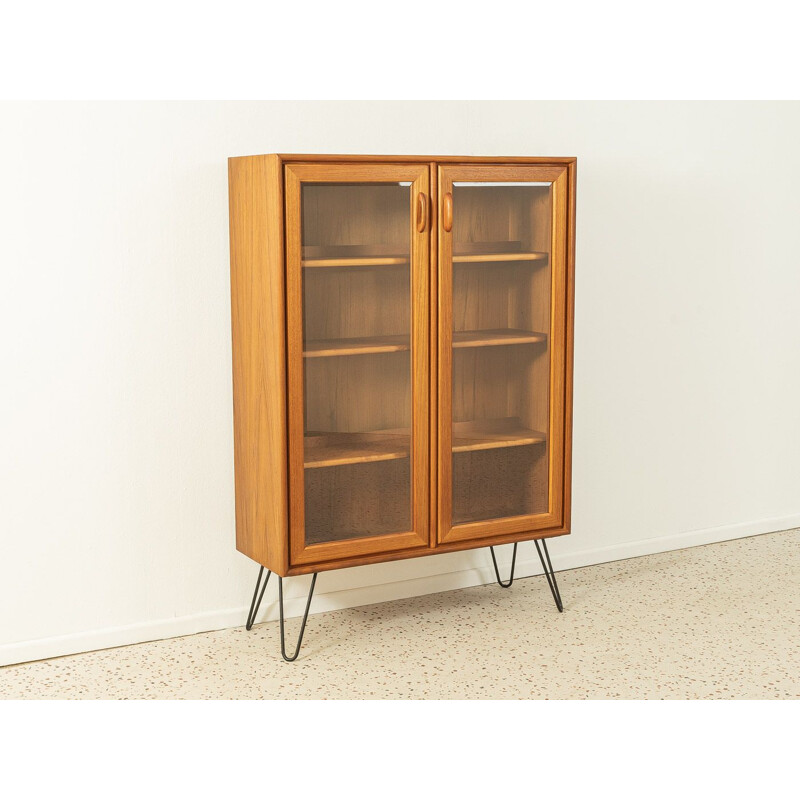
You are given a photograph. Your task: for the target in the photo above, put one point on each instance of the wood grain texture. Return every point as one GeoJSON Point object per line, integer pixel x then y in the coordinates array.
{"type": "Point", "coordinates": [496, 337]}
{"type": "Point", "coordinates": [356, 303]}
{"type": "Point", "coordinates": [361, 220]}
{"type": "Point", "coordinates": [335, 449]}
{"type": "Point", "coordinates": [558, 325]}
{"type": "Point", "coordinates": [357, 501]}
{"type": "Point", "coordinates": [572, 168]}
{"type": "Point", "coordinates": [369, 392]}
{"type": "Point", "coordinates": [367, 261]}
{"type": "Point", "coordinates": [498, 484]}
{"type": "Point", "coordinates": [433, 351]}
{"type": "Point", "coordinates": [513, 381]}
{"type": "Point", "coordinates": [325, 158]}
{"type": "Point", "coordinates": [382, 255]}
{"type": "Point", "coordinates": [359, 345]}
{"type": "Point", "coordinates": [259, 388]}
{"type": "Point", "coordinates": [492, 434]}
{"type": "Point", "coordinates": [501, 267]}
{"type": "Point", "coordinates": [490, 257]}
{"type": "Point", "coordinates": [351, 255]}
{"type": "Point", "coordinates": [447, 547]}
{"type": "Point", "coordinates": [345, 251]}
{"type": "Point", "coordinates": [444, 357]}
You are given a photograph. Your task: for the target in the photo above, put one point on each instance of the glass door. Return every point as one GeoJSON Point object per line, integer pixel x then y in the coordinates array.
{"type": "Point", "coordinates": [502, 318]}
{"type": "Point", "coordinates": [357, 268]}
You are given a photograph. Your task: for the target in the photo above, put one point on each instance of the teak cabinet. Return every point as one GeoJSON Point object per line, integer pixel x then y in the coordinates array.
{"type": "Point", "coordinates": [402, 355]}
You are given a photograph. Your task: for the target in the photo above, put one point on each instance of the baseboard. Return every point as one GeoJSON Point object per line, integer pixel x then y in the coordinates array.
{"type": "Point", "coordinates": [38, 649]}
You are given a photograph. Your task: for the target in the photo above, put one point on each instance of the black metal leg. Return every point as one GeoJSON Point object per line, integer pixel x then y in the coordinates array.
{"type": "Point", "coordinates": [497, 573]}
{"type": "Point", "coordinates": [256, 602]}
{"type": "Point", "coordinates": [549, 573]}
{"type": "Point", "coordinates": [541, 549]}
{"type": "Point", "coordinates": [547, 566]}
{"type": "Point", "coordinates": [305, 618]}
{"type": "Point", "coordinates": [251, 617]}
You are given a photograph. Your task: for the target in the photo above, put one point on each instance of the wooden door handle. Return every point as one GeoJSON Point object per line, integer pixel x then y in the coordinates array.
{"type": "Point", "coordinates": [422, 211]}
{"type": "Point", "coordinates": [447, 212]}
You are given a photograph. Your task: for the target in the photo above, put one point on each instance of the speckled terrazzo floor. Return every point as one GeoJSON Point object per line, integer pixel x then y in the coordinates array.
{"type": "Point", "coordinates": [719, 621]}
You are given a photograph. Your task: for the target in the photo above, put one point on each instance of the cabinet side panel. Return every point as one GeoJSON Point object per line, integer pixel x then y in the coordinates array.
{"type": "Point", "coordinates": [259, 380]}
{"type": "Point", "coordinates": [569, 348]}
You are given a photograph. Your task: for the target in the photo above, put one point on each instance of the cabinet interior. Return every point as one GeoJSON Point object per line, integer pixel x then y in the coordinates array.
{"type": "Point", "coordinates": [500, 394]}
{"type": "Point", "coordinates": [357, 295]}
{"type": "Point", "coordinates": [357, 360]}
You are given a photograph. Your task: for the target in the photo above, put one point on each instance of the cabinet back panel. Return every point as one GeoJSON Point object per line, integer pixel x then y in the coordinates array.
{"type": "Point", "coordinates": [499, 214]}
{"type": "Point", "coordinates": [506, 482]}
{"type": "Point", "coordinates": [516, 295]}
{"type": "Point", "coordinates": [502, 295]}
{"type": "Point", "coordinates": [541, 241]}
{"type": "Point", "coordinates": [343, 303]}
{"type": "Point", "coordinates": [356, 214]}
{"type": "Point", "coordinates": [357, 500]}
{"type": "Point", "coordinates": [359, 393]}
{"type": "Point", "coordinates": [496, 382]}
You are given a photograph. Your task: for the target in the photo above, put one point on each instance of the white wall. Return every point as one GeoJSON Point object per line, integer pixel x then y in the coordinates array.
{"type": "Point", "coordinates": [116, 466]}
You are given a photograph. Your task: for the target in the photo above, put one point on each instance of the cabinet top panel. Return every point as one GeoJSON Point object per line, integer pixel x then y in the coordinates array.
{"type": "Point", "coordinates": [344, 157]}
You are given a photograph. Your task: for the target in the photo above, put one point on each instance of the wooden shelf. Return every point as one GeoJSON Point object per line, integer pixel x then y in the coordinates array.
{"type": "Point", "coordinates": [337, 449]}
{"type": "Point", "coordinates": [387, 255]}
{"type": "Point", "coordinates": [495, 337]}
{"type": "Point", "coordinates": [494, 257]}
{"type": "Point", "coordinates": [486, 252]}
{"type": "Point", "coordinates": [357, 346]}
{"type": "Point", "coordinates": [355, 262]}
{"type": "Point", "coordinates": [353, 256]}
{"type": "Point", "coordinates": [491, 434]}
{"type": "Point", "coordinates": [321, 348]}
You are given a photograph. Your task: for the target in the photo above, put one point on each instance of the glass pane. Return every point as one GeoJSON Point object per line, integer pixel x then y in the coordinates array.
{"type": "Point", "coordinates": [501, 351]}
{"type": "Point", "coordinates": [357, 359]}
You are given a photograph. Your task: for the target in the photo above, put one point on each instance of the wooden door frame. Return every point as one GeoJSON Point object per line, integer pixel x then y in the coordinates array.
{"type": "Point", "coordinates": [295, 175]}
{"type": "Point", "coordinates": [560, 400]}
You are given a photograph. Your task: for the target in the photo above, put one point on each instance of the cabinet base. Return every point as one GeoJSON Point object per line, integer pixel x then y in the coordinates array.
{"type": "Point", "coordinates": [544, 557]}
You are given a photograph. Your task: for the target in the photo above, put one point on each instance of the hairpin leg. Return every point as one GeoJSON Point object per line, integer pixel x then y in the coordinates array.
{"type": "Point", "coordinates": [547, 566]}
{"type": "Point", "coordinates": [549, 573]}
{"type": "Point", "coordinates": [256, 602]}
{"type": "Point", "coordinates": [497, 573]}
{"type": "Point", "coordinates": [305, 618]}
{"type": "Point", "coordinates": [251, 617]}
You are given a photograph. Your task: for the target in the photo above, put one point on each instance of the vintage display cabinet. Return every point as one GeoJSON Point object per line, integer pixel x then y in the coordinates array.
{"type": "Point", "coordinates": [402, 358]}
